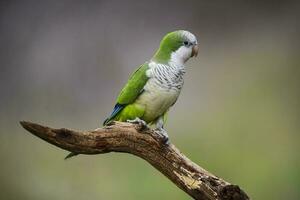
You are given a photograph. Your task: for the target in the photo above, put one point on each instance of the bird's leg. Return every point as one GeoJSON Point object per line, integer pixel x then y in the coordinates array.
{"type": "Point", "coordinates": [161, 131]}
{"type": "Point", "coordinates": [138, 121]}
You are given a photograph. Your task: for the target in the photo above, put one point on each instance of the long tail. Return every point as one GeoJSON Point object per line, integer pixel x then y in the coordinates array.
{"type": "Point", "coordinates": [117, 109]}
{"type": "Point", "coordinates": [106, 121]}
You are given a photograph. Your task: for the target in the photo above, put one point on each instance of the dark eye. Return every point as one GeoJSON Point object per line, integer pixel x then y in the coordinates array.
{"type": "Point", "coordinates": [186, 43]}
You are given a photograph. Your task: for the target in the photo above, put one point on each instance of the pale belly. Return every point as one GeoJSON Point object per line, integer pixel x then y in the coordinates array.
{"type": "Point", "coordinates": [156, 102]}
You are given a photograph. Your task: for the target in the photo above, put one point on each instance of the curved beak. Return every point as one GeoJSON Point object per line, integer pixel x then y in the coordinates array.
{"type": "Point", "coordinates": [195, 50]}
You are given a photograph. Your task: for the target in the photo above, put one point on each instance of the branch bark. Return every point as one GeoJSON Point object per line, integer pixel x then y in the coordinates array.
{"type": "Point", "coordinates": [143, 142]}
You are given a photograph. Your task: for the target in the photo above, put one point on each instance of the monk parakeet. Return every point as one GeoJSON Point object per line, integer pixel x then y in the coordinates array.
{"type": "Point", "coordinates": [155, 86]}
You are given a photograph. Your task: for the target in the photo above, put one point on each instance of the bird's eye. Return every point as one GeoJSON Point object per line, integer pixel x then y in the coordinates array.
{"type": "Point", "coordinates": [186, 43]}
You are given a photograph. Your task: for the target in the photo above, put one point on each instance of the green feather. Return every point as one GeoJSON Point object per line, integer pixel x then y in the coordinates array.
{"type": "Point", "coordinates": [170, 43]}
{"type": "Point", "coordinates": [134, 85]}
{"type": "Point", "coordinates": [128, 95]}
{"type": "Point", "coordinates": [130, 112]}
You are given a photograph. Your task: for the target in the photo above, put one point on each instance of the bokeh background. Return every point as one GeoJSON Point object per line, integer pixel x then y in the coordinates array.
{"type": "Point", "coordinates": [62, 63]}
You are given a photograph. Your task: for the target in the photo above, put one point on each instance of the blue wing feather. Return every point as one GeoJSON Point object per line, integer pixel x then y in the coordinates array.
{"type": "Point", "coordinates": [118, 107]}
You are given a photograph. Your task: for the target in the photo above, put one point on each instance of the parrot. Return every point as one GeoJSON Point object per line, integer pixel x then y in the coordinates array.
{"type": "Point", "coordinates": [155, 86]}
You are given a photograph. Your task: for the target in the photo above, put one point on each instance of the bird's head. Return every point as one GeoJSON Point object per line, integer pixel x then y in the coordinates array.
{"type": "Point", "coordinates": [176, 47]}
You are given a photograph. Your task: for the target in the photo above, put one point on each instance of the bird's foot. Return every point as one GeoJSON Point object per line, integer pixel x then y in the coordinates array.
{"type": "Point", "coordinates": [140, 122]}
{"type": "Point", "coordinates": [137, 121]}
{"type": "Point", "coordinates": [164, 135]}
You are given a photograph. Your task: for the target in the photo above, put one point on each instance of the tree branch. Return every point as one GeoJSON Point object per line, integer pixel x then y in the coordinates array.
{"type": "Point", "coordinates": [145, 143]}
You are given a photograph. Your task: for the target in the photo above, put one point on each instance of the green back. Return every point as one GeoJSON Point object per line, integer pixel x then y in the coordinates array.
{"type": "Point", "coordinates": [134, 85]}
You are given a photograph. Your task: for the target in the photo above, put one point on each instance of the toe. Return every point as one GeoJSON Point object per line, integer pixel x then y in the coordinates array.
{"type": "Point", "coordinates": [166, 140]}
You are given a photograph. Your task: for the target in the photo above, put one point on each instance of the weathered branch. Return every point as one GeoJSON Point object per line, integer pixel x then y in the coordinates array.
{"type": "Point", "coordinates": [146, 144]}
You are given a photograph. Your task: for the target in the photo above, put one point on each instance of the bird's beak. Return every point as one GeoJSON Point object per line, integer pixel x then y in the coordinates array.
{"type": "Point", "coordinates": [195, 50]}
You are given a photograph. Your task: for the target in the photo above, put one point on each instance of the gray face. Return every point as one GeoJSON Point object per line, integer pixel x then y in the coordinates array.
{"type": "Point", "coordinates": [188, 49]}
{"type": "Point", "coordinates": [189, 39]}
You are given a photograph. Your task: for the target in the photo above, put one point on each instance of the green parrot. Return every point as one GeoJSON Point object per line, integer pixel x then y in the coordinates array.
{"type": "Point", "coordinates": [155, 86]}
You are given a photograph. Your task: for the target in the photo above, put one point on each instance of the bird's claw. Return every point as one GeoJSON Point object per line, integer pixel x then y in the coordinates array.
{"type": "Point", "coordinates": [139, 121]}
{"type": "Point", "coordinates": [164, 135]}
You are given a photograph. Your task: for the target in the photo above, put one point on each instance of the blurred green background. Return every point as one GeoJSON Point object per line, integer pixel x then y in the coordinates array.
{"type": "Point", "coordinates": [62, 63]}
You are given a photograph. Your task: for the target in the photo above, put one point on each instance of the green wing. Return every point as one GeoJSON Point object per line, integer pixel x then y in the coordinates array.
{"type": "Point", "coordinates": [131, 91]}
{"type": "Point", "coordinates": [134, 86]}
